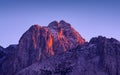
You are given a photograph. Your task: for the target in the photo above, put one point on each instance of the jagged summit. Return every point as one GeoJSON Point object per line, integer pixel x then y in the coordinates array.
{"type": "Point", "coordinates": [55, 32]}
{"type": "Point", "coordinates": [41, 42]}
{"type": "Point", "coordinates": [61, 24]}
{"type": "Point", "coordinates": [64, 24]}
{"type": "Point", "coordinates": [53, 24]}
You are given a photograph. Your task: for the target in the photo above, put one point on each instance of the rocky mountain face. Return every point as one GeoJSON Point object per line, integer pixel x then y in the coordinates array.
{"type": "Point", "coordinates": [40, 43]}
{"type": "Point", "coordinates": [58, 49]}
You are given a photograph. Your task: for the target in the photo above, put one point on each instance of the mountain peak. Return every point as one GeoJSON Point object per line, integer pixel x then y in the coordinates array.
{"type": "Point", "coordinates": [55, 30]}
{"type": "Point", "coordinates": [54, 25]}
{"type": "Point", "coordinates": [42, 42]}
{"type": "Point", "coordinates": [63, 22]}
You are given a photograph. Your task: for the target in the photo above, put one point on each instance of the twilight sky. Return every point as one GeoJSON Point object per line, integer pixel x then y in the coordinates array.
{"type": "Point", "coordinates": [89, 17]}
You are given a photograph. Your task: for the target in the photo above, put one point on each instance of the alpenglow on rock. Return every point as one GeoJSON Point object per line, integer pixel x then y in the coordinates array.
{"type": "Point", "coordinates": [41, 42]}
{"type": "Point", "coordinates": [58, 49]}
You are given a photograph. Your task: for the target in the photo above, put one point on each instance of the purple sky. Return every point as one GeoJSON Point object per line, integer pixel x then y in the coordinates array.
{"type": "Point", "coordinates": [89, 17]}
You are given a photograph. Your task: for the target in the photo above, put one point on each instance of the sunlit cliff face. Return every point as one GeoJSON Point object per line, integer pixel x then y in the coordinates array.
{"type": "Point", "coordinates": [46, 41]}
{"type": "Point", "coordinates": [39, 43]}
{"type": "Point", "coordinates": [49, 45]}
{"type": "Point", "coordinates": [58, 35]}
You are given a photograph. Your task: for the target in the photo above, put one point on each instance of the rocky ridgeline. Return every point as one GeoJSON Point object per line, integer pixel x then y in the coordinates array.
{"type": "Point", "coordinates": [58, 49]}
